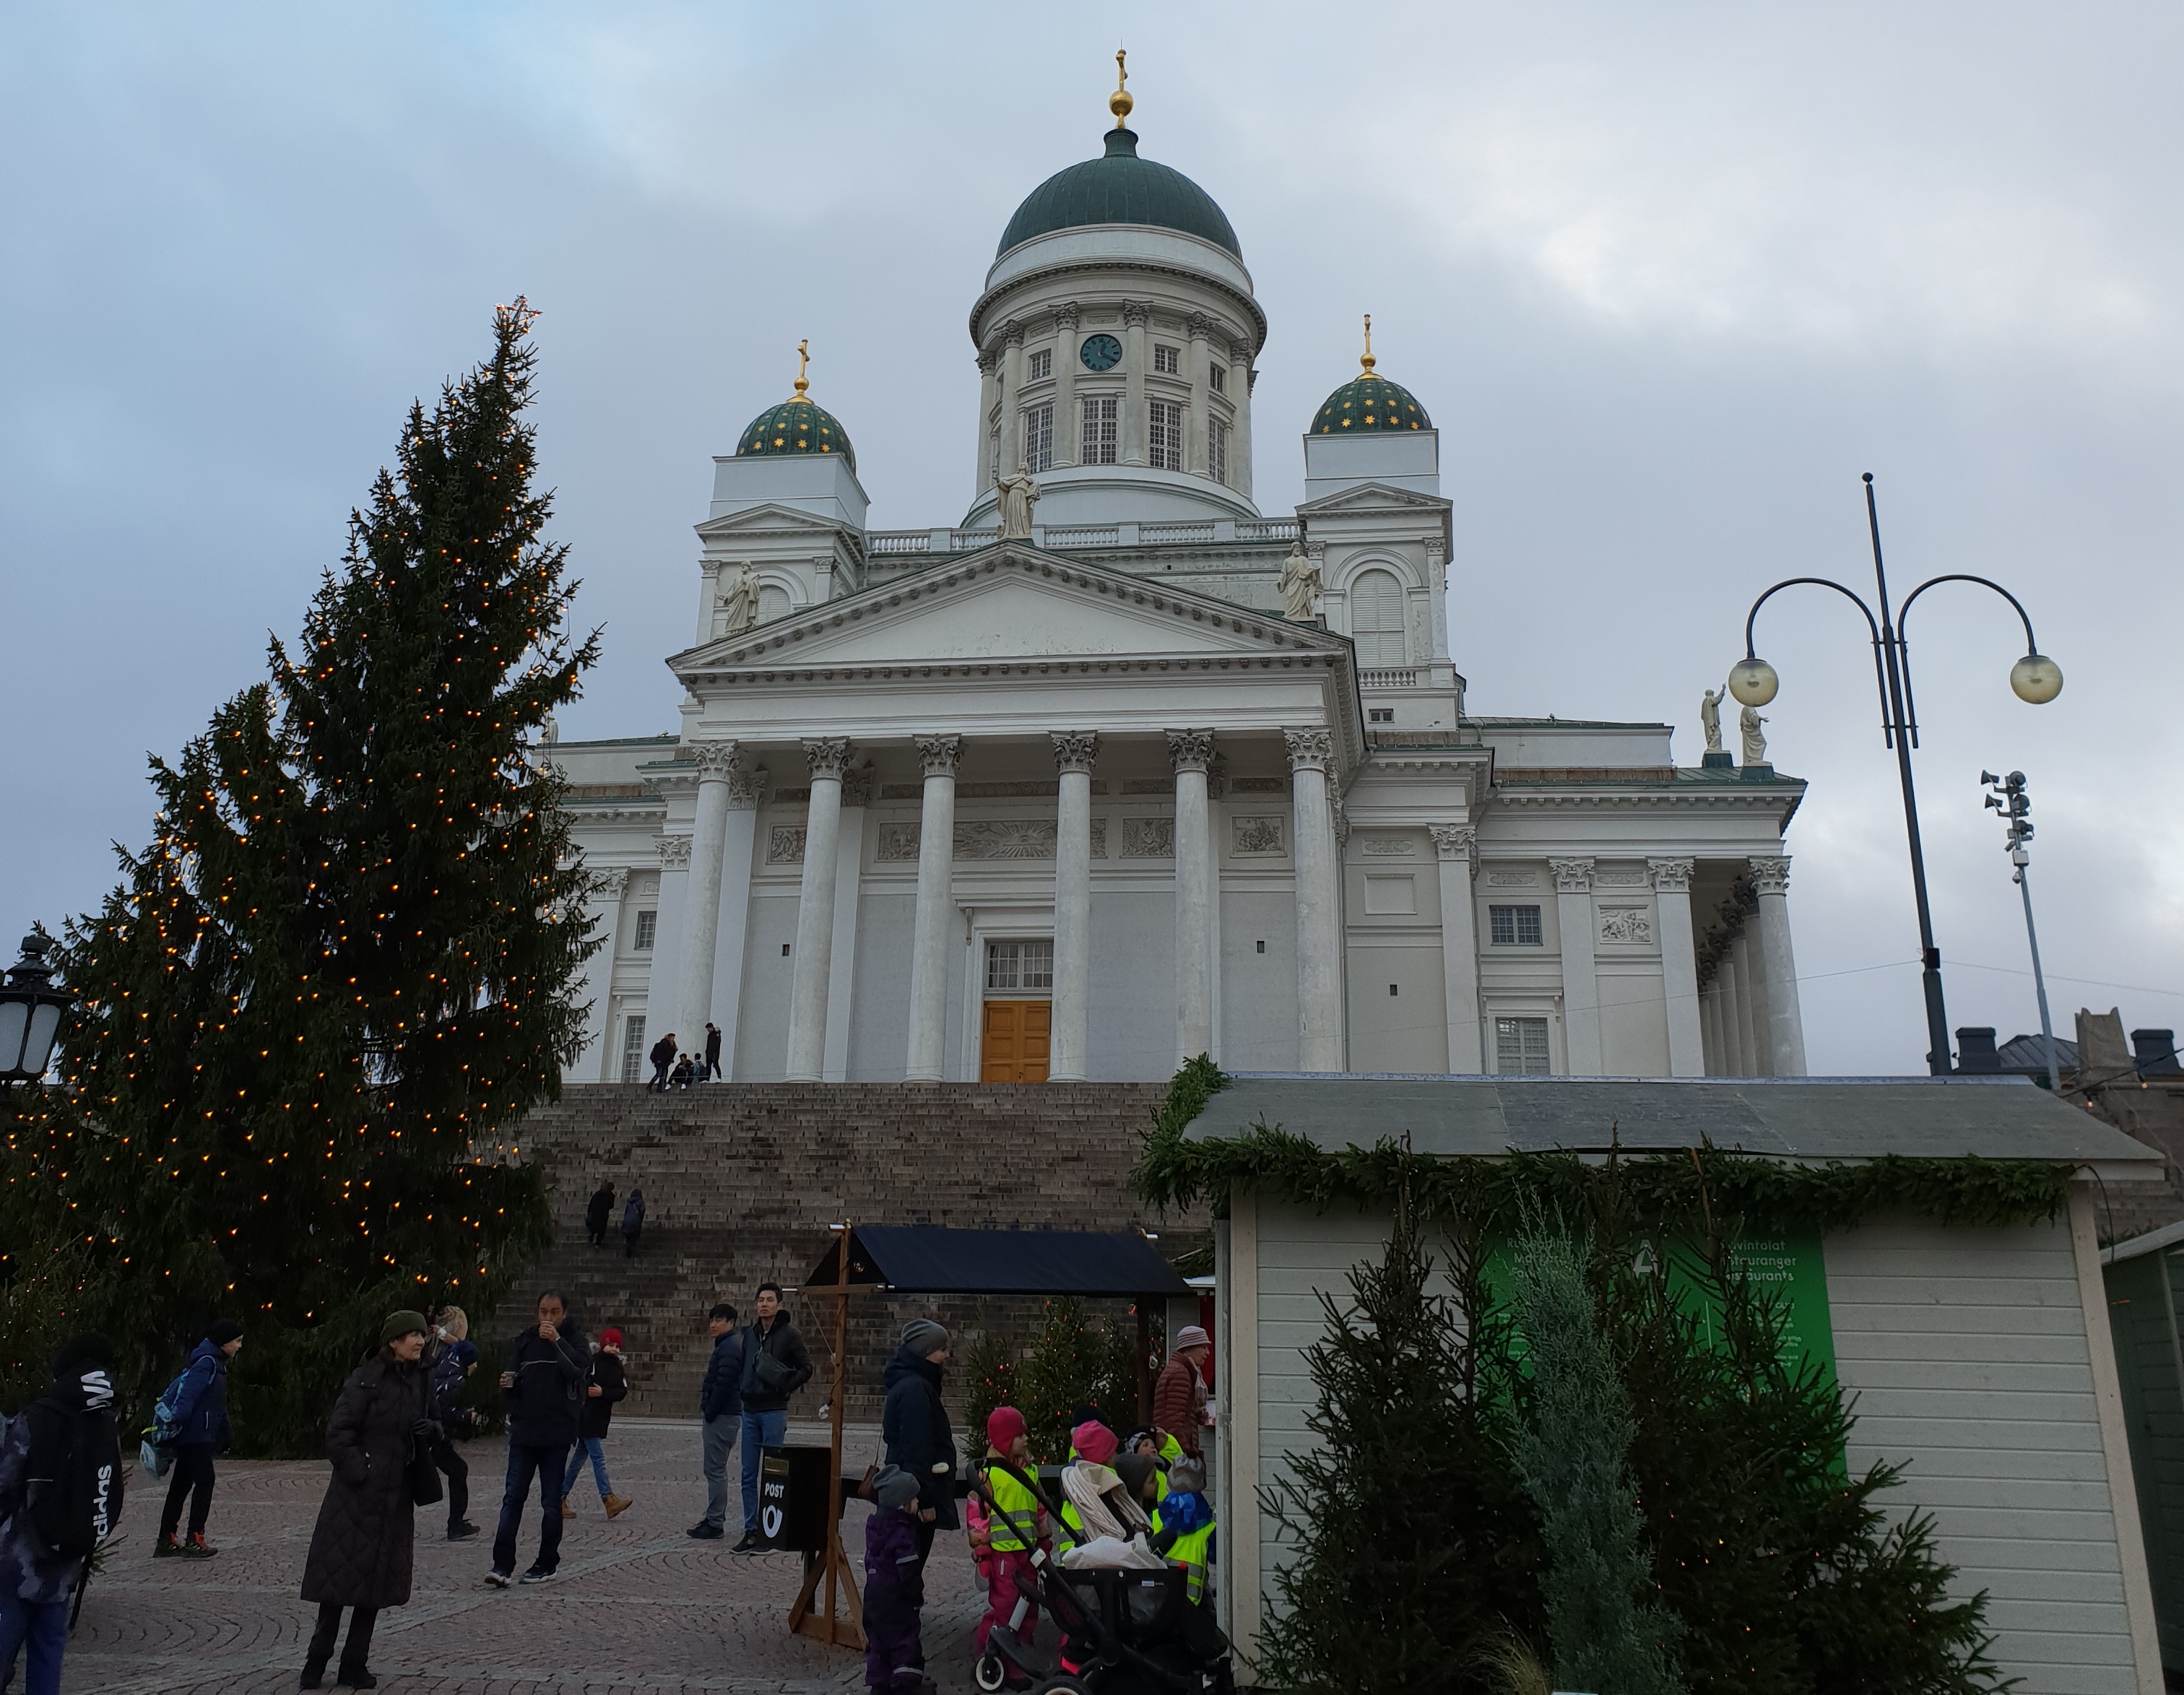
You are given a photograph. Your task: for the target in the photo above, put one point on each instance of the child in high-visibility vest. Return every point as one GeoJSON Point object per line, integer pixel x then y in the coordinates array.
{"type": "Point", "coordinates": [1183, 1525]}
{"type": "Point", "coordinates": [1007, 1487]}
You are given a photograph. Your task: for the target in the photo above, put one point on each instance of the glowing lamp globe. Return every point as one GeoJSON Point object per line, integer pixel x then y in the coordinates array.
{"type": "Point", "coordinates": [1753, 681]}
{"type": "Point", "coordinates": [2036, 679]}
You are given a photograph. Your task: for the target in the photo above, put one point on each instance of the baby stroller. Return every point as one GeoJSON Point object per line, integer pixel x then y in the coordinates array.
{"type": "Point", "coordinates": [1125, 1631]}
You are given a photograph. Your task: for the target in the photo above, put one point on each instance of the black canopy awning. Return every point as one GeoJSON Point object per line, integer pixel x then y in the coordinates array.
{"type": "Point", "coordinates": [928, 1261]}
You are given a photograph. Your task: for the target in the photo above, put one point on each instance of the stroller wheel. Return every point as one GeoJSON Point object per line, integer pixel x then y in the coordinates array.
{"type": "Point", "coordinates": [990, 1674]}
{"type": "Point", "coordinates": [1064, 1686]}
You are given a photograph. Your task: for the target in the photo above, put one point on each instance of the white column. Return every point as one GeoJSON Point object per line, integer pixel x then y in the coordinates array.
{"type": "Point", "coordinates": [1134, 313]}
{"type": "Point", "coordinates": [1074, 751]}
{"type": "Point", "coordinates": [1733, 1058]}
{"type": "Point", "coordinates": [1196, 457]}
{"type": "Point", "coordinates": [936, 905]}
{"type": "Point", "coordinates": [815, 913]}
{"type": "Point", "coordinates": [1710, 1029]}
{"type": "Point", "coordinates": [1065, 429]}
{"type": "Point", "coordinates": [1239, 397]}
{"type": "Point", "coordinates": [1581, 984]}
{"type": "Point", "coordinates": [1457, 846]}
{"type": "Point", "coordinates": [1679, 965]}
{"type": "Point", "coordinates": [1012, 397]}
{"type": "Point", "coordinates": [739, 854]}
{"type": "Point", "coordinates": [848, 890]}
{"type": "Point", "coordinates": [1192, 752]}
{"type": "Point", "coordinates": [1214, 823]}
{"type": "Point", "coordinates": [1318, 902]}
{"type": "Point", "coordinates": [983, 479]}
{"type": "Point", "coordinates": [603, 915]}
{"type": "Point", "coordinates": [1785, 1023]}
{"type": "Point", "coordinates": [1752, 1056]}
{"type": "Point", "coordinates": [701, 919]}
{"type": "Point", "coordinates": [662, 1012]}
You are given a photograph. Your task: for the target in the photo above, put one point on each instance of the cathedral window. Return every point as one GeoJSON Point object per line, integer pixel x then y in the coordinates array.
{"type": "Point", "coordinates": [648, 925]}
{"type": "Point", "coordinates": [1039, 366]}
{"type": "Point", "coordinates": [1016, 967]}
{"type": "Point", "coordinates": [1217, 374]}
{"type": "Point", "coordinates": [1514, 926]}
{"type": "Point", "coordinates": [1520, 1047]}
{"type": "Point", "coordinates": [1376, 619]}
{"type": "Point", "coordinates": [1216, 449]}
{"type": "Point", "coordinates": [632, 1048]}
{"type": "Point", "coordinates": [1096, 444]}
{"type": "Point", "coordinates": [772, 602]}
{"type": "Point", "coordinates": [1164, 443]}
{"type": "Point", "coordinates": [1167, 359]}
{"type": "Point", "coordinates": [1039, 437]}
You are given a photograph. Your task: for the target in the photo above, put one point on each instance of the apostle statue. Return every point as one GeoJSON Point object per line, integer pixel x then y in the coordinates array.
{"type": "Point", "coordinates": [1710, 718]}
{"type": "Point", "coordinates": [1299, 585]}
{"type": "Point", "coordinates": [1018, 493]}
{"type": "Point", "coordinates": [1755, 744]}
{"type": "Point", "coordinates": [737, 598]}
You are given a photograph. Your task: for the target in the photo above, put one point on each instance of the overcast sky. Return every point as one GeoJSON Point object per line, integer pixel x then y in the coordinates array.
{"type": "Point", "coordinates": [1668, 278]}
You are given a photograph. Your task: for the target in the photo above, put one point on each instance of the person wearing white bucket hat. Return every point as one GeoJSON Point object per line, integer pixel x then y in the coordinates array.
{"type": "Point", "coordinates": [1179, 1394]}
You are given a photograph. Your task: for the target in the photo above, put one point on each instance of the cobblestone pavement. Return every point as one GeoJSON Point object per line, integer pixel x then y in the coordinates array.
{"type": "Point", "coordinates": [638, 1606]}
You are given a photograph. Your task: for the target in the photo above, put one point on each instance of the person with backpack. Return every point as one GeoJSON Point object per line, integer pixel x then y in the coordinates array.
{"type": "Point", "coordinates": [380, 1428]}
{"type": "Point", "coordinates": [449, 1358]}
{"type": "Point", "coordinates": [597, 1211]}
{"type": "Point", "coordinates": [607, 1384]}
{"type": "Point", "coordinates": [633, 1221]}
{"type": "Point", "coordinates": [191, 1419]}
{"type": "Point", "coordinates": [60, 1497]}
{"type": "Point", "coordinates": [541, 1389]}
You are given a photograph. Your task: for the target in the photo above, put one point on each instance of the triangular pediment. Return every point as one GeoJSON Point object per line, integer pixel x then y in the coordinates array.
{"type": "Point", "coordinates": [1005, 604]}
{"type": "Point", "coordinates": [1374, 497]}
{"type": "Point", "coordinates": [770, 515]}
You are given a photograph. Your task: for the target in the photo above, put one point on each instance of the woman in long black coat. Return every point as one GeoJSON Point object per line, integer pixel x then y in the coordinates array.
{"type": "Point", "coordinates": [361, 1551]}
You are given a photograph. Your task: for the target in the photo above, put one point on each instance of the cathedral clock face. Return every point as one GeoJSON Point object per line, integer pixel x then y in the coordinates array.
{"type": "Point", "coordinates": [1100, 353]}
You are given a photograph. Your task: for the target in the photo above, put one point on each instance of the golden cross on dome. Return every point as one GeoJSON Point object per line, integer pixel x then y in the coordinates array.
{"type": "Point", "coordinates": [1119, 102]}
{"type": "Point", "coordinates": [803, 359]}
{"type": "Point", "coordinates": [1366, 363]}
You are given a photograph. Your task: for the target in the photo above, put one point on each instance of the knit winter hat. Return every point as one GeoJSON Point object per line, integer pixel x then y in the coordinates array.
{"type": "Point", "coordinates": [922, 1336]}
{"type": "Point", "coordinates": [1191, 1335]}
{"type": "Point", "coordinates": [611, 1337]}
{"type": "Point", "coordinates": [222, 1331]}
{"type": "Point", "coordinates": [80, 1352]}
{"type": "Point", "coordinates": [1003, 1425]}
{"type": "Point", "coordinates": [892, 1486]}
{"type": "Point", "coordinates": [402, 1324]}
{"type": "Point", "coordinates": [1093, 1441]}
{"type": "Point", "coordinates": [1187, 1475]}
{"type": "Point", "coordinates": [1136, 1470]}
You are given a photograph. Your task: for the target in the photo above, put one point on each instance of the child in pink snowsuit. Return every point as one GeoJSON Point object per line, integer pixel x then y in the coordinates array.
{"type": "Point", "coordinates": [998, 1544]}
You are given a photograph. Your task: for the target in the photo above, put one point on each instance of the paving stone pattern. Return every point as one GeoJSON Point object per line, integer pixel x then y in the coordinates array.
{"type": "Point", "coordinates": [638, 1607]}
{"type": "Point", "coordinates": [743, 1179]}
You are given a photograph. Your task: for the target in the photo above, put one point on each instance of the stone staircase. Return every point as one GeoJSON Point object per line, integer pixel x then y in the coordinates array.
{"type": "Point", "coordinates": [742, 1180]}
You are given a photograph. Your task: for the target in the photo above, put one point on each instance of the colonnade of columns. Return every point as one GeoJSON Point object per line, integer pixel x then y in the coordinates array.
{"type": "Point", "coordinates": [703, 961]}
{"type": "Point", "coordinates": [1750, 1020]}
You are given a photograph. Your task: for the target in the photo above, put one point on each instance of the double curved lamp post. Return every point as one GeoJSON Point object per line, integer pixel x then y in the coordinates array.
{"type": "Point", "coordinates": [2035, 679]}
{"type": "Point", "coordinates": [31, 1010]}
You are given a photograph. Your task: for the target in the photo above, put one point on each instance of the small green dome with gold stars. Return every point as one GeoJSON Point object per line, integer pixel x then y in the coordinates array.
{"type": "Point", "coordinates": [1370, 401]}
{"type": "Point", "coordinates": [797, 424]}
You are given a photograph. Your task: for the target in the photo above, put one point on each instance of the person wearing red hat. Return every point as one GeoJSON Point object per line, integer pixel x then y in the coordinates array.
{"type": "Point", "coordinates": [1008, 1518]}
{"type": "Point", "coordinates": [605, 1384]}
{"type": "Point", "coordinates": [1179, 1392]}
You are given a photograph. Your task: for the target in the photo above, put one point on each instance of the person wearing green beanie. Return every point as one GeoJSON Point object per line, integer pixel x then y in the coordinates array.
{"type": "Point", "coordinates": [400, 1325]}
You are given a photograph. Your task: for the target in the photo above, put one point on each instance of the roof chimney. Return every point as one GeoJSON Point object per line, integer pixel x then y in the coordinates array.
{"type": "Point", "coordinates": [2155, 1051]}
{"type": "Point", "coordinates": [1975, 1049]}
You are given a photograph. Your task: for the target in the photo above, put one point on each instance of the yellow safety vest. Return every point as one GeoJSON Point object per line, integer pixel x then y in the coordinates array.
{"type": "Point", "coordinates": [1188, 1554]}
{"type": "Point", "coordinates": [1019, 1502]}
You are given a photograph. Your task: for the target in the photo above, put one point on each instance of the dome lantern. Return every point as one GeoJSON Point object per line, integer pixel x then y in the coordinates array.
{"type": "Point", "coordinates": [1369, 402]}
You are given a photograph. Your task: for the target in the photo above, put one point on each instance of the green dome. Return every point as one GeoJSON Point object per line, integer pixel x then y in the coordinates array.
{"type": "Point", "coordinates": [1120, 188]}
{"type": "Point", "coordinates": [1370, 402]}
{"type": "Point", "coordinates": [796, 426]}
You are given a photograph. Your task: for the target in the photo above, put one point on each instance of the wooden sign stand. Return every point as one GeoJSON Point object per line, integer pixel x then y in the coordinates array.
{"type": "Point", "coordinates": [833, 1567]}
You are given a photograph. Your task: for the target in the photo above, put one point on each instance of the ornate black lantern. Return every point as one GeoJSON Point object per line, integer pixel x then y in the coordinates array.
{"type": "Point", "coordinates": [31, 1010]}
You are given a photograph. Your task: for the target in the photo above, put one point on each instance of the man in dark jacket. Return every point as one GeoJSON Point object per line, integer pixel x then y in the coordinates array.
{"type": "Point", "coordinates": [543, 1389]}
{"type": "Point", "coordinates": [915, 1426]}
{"type": "Point", "coordinates": [662, 1055]}
{"type": "Point", "coordinates": [721, 1412]}
{"type": "Point", "coordinates": [712, 1073]}
{"type": "Point", "coordinates": [201, 1431]}
{"type": "Point", "coordinates": [597, 1212]}
{"type": "Point", "coordinates": [633, 1221]}
{"type": "Point", "coordinates": [775, 1367]}
{"type": "Point", "coordinates": [60, 1495]}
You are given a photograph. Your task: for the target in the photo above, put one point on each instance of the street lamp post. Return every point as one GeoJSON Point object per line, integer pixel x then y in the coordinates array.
{"type": "Point", "coordinates": [31, 1010]}
{"type": "Point", "coordinates": [2035, 679]}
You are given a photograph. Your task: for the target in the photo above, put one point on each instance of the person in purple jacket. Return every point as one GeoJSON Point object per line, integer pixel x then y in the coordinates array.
{"type": "Point", "coordinates": [895, 1586]}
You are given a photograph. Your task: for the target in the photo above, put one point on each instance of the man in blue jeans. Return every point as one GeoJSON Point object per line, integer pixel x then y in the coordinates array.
{"type": "Point", "coordinates": [720, 1412]}
{"type": "Point", "coordinates": [543, 1390]}
{"type": "Point", "coordinates": [775, 1367]}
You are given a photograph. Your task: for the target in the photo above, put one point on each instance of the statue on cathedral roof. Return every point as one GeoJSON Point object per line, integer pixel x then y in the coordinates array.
{"type": "Point", "coordinates": [1710, 717]}
{"type": "Point", "coordinates": [1018, 493]}
{"type": "Point", "coordinates": [1300, 585]}
{"type": "Point", "coordinates": [737, 598]}
{"type": "Point", "coordinates": [1755, 742]}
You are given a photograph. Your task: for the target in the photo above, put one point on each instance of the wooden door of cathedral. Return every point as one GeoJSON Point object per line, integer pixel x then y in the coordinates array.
{"type": "Point", "coordinates": [1013, 1042]}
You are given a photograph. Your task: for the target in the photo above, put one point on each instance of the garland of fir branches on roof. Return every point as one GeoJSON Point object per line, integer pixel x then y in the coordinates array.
{"type": "Point", "coordinates": [1673, 1191]}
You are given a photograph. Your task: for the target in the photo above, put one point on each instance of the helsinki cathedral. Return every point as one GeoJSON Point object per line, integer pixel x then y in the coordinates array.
{"type": "Point", "coordinates": [1116, 768]}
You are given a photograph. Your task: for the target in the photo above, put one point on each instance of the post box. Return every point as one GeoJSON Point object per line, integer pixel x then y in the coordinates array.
{"type": "Point", "coordinates": [792, 1499]}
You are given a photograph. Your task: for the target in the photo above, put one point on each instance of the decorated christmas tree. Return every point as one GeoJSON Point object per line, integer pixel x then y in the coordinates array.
{"type": "Point", "coordinates": [350, 951]}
